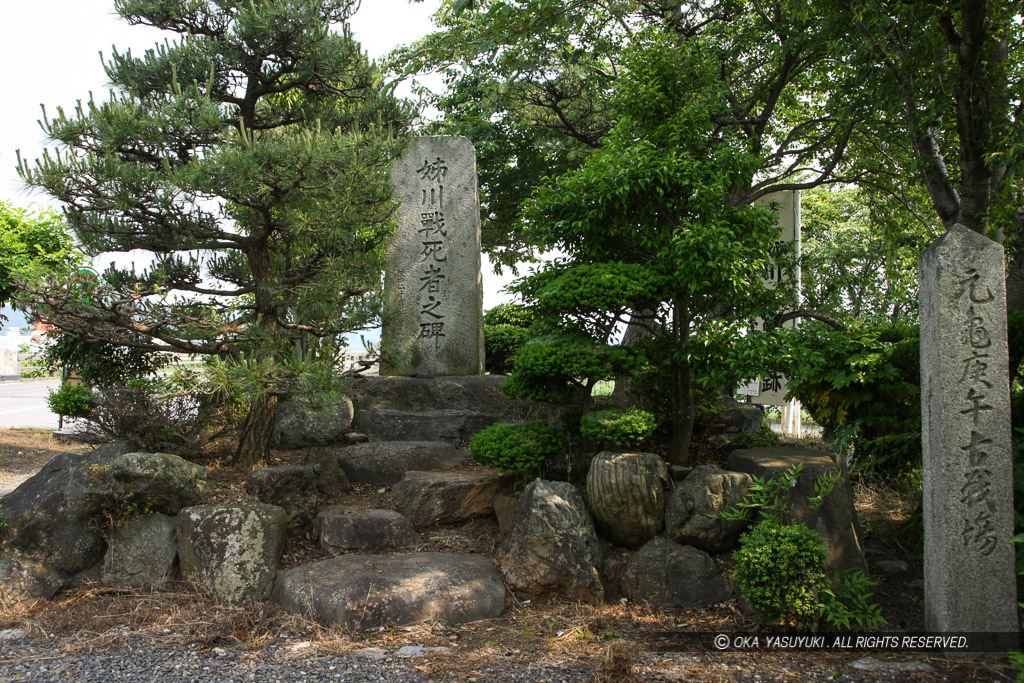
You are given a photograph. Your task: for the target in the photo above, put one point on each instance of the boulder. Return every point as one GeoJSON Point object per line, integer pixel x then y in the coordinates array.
{"type": "Point", "coordinates": [142, 552]}
{"type": "Point", "coordinates": [23, 578]}
{"type": "Point", "coordinates": [736, 416]}
{"type": "Point", "coordinates": [59, 516]}
{"type": "Point", "coordinates": [443, 497]}
{"type": "Point", "coordinates": [232, 550]}
{"type": "Point", "coordinates": [385, 462]}
{"type": "Point", "coordinates": [370, 591]}
{"type": "Point", "coordinates": [553, 545]}
{"type": "Point", "coordinates": [505, 511]}
{"type": "Point", "coordinates": [300, 424]}
{"type": "Point", "coordinates": [665, 574]}
{"type": "Point", "coordinates": [345, 528]}
{"type": "Point", "coordinates": [292, 487]}
{"type": "Point", "coordinates": [835, 519]}
{"type": "Point", "coordinates": [626, 494]}
{"type": "Point", "coordinates": [330, 478]}
{"type": "Point", "coordinates": [692, 516]}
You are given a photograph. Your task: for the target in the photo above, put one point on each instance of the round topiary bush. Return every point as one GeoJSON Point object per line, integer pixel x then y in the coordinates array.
{"type": "Point", "coordinates": [781, 569]}
{"type": "Point", "coordinates": [71, 400]}
{"type": "Point", "coordinates": [618, 426]}
{"type": "Point", "coordinates": [515, 447]}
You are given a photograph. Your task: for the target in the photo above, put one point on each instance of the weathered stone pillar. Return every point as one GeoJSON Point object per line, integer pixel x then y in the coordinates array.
{"type": "Point", "coordinates": [968, 470]}
{"type": "Point", "coordinates": [433, 311]}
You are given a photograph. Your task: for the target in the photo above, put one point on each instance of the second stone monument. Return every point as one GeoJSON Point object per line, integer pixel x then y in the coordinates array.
{"type": "Point", "coordinates": [433, 314]}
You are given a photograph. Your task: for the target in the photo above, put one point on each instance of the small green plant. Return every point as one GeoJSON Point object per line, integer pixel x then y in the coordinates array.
{"type": "Point", "coordinates": [780, 570]}
{"type": "Point", "coordinates": [849, 603]}
{"type": "Point", "coordinates": [515, 447]}
{"type": "Point", "coordinates": [769, 495]}
{"type": "Point", "coordinates": [618, 426]}
{"type": "Point", "coordinates": [761, 438]}
{"type": "Point", "coordinates": [71, 400]}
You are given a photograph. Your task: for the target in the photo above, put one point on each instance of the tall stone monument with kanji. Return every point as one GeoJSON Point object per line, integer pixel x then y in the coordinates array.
{"type": "Point", "coordinates": [969, 578]}
{"type": "Point", "coordinates": [433, 309]}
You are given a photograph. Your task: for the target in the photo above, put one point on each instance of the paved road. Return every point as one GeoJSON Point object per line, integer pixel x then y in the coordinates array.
{"type": "Point", "coordinates": [23, 404]}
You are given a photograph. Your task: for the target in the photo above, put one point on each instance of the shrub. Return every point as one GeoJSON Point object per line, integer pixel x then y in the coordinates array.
{"type": "Point", "coordinates": [865, 383]}
{"type": "Point", "coordinates": [515, 447]}
{"type": "Point", "coordinates": [505, 331]}
{"type": "Point", "coordinates": [101, 364]}
{"type": "Point", "coordinates": [764, 437]}
{"type": "Point", "coordinates": [781, 569]}
{"type": "Point", "coordinates": [71, 400]}
{"type": "Point", "coordinates": [618, 426]}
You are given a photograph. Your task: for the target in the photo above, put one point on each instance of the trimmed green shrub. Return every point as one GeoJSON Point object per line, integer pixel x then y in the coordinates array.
{"type": "Point", "coordinates": [102, 364]}
{"type": "Point", "coordinates": [505, 331]}
{"type": "Point", "coordinates": [764, 437]}
{"type": "Point", "coordinates": [71, 400]}
{"type": "Point", "coordinates": [618, 426]}
{"type": "Point", "coordinates": [515, 447]}
{"type": "Point", "coordinates": [781, 569]}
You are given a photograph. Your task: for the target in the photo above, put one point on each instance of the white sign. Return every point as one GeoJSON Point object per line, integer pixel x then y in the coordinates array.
{"type": "Point", "coordinates": [770, 390]}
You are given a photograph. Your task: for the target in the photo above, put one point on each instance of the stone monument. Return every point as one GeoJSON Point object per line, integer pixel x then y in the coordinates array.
{"type": "Point", "coordinates": [965, 402]}
{"type": "Point", "coordinates": [433, 310]}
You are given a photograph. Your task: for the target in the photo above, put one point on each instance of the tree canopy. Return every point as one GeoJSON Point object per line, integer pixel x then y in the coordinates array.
{"type": "Point", "coordinates": [30, 239]}
{"type": "Point", "coordinates": [248, 159]}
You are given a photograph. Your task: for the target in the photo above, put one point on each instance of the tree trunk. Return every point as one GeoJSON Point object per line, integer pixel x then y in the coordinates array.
{"type": "Point", "coordinates": [637, 329]}
{"type": "Point", "coordinates": [683, 413]}
{"type": "Point", "coordinates": [254, 441]}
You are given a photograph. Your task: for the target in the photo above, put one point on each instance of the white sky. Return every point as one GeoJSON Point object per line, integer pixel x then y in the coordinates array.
{"type": "Point", "coordinates": [49, 54]}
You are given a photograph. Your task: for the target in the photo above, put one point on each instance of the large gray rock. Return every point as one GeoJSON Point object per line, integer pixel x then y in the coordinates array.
{"type": "Point", "coordinates": [553, 545]}
{"type": "Point", "coordinates": [443, 497]}
{"type": "Point", "coordinates": [969, 577]}
{"type": "Point", "coordinates": [626, 495]}
{"type": "Point", "coordinates": [232, 550]}
{"type": "Point", "coordinates": [345, 528]}
{"type": "Point", "coordinates": [386, 462]}
{"type": "Point", "coordinates": [433, 324]}
{"type": "Point", "coordinates": [58, 516]}
{"type": "Point", "coordinates": [665, 574]}
{"type": "Point", "coordinates": [835, 519]}
{"type": "Point", "coordinates": [142, 552]}
{"type": "Point", "coordinates": [693, 513]}
{"type": "Point", "coordinates": [736, 416]}
{"type": "Point", "coordinates": [292, 487]}
{"type": "Point", "coordinates": [298, 424]}
{"type": "Point", "coordinates": [23, 578]}
{"type": "Point", "coordinates": [330, 478]}
{"type": "Point", "coordinates": [369, 591]}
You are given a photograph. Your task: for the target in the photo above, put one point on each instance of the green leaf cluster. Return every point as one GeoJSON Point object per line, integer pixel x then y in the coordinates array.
{"type": "Point", "coordinates": [865, 381]}
{"type": "Point", "coordinates": [618, 426]}
{"type": "Point", "coordinates": [515, 447]}
{"type": "Point", "coordinates": [31, 242]}
{"type": "Point", "coordinates": [101, 364]}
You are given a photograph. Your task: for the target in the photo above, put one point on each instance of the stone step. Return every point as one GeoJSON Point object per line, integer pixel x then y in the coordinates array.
{"type": "Point", "coordinates": [347, 528]}
{"type": "Point", "coordinates": [385, 462]}
{"type": "Point", "coordinates": [429, 498]}
{"type": "Point", "coordinates": [369, 591]}
{"type": "Point", "coordinates": [481, 393]}
{"type": "Point", "coordinates": [450, 426]}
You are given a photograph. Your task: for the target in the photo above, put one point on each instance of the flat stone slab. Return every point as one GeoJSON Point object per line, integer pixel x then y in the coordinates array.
{"type": "Point", "coordinates": [369, 591]}
{"type": "Point", "coordinates": [385, 462]}
{"type": "Point", "coordinates": [443, 497]}
{"type": "Point", "coordinates": [481, 393]}
{"type": "Point", "coordinates": [346, 528]}
{"type": "Point", "coordinates": [450, 426]}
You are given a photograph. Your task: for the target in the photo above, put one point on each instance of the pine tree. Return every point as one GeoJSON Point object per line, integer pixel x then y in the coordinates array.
{"type": "Point", "coordinates": [249, 157]}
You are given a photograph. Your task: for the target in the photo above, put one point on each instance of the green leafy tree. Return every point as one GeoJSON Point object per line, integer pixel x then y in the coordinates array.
{"type": "Point", "coordinates": [533, 83]}
{"type": "Point", "coordinates": [859, 256]}
{"type": "Point", "coordinates": [647, 224]}
{"type": "Point", "coordinates": [943, 111]}
{"type": "Point", "coordinates": [29, 239]}
{"type": "Point", "coordinates": [249, 157]}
